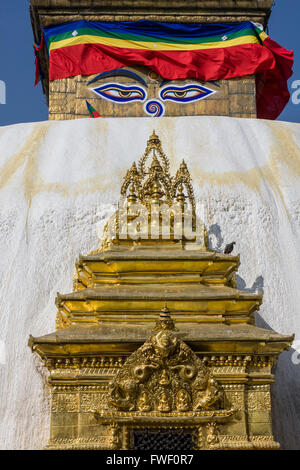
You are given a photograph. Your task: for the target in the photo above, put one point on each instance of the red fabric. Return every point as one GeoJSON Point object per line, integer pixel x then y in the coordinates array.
{"type": "Point", "coordinates": [271, 63]}
{"type": "Point", "coordinates": [37, 72]}
{"type": "Point", "coordinates": [37, 49]}
{"type": "Point", "coordinates": [209, 64]}
{"type": "Point", "coordinates": [95, 114]}
{"type": "Point", "coordinates": [272, 93]}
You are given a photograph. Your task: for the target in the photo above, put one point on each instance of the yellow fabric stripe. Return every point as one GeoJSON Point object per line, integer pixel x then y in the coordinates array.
{"type": "Point", "coordinates": [153, 46]}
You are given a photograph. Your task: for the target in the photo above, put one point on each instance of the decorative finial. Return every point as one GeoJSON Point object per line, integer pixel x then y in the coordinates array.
{"type": "Point", "coordinates": [165, 322]}
{"type": "Point", "coordinates": [155, 165]}
{"type": "Point", "coordinates": [183, 178]}
{"type": "Point", "coordinates": [156, 192]}
{"type": "Point", "coordinates": [180, 195]}
{"type": "Point", "coordinates": [133, 168]}
{"type": "Point", "coordinates": [165, 312]}
{"type": "Point", "coordinates": [153, 137]}
{"type": "Point", "coordinates": [132, 177]}
{"type": "Point", "coordinates": [132, 197]}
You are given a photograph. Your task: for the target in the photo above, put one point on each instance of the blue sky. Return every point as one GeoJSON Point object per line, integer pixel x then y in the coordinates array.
{"type": "Point", "coordinates": [26, 103]}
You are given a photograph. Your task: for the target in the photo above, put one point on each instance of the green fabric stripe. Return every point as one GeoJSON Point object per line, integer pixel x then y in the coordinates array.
{"type": "Point", "coordinates": [134, 37]}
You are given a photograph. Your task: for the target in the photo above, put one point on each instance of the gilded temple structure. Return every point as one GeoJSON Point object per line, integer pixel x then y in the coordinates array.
{"type": "Point", "coordinates": [156, 348]}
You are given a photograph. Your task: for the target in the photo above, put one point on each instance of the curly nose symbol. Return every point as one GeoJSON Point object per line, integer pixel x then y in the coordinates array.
{"type": "Point", "coordinates": [154, 108]}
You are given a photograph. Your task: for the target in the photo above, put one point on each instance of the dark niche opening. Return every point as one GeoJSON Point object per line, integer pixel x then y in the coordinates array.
{"type": "Point", "coordinates": [169, 439]}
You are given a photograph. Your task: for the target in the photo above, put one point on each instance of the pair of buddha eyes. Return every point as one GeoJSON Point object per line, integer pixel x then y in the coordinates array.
{"type": "Point", "coordinates": [124, 94]}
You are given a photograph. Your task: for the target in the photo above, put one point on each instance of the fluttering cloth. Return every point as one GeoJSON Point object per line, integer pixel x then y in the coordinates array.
{"type": "Point", "coordinates": [206, 52]}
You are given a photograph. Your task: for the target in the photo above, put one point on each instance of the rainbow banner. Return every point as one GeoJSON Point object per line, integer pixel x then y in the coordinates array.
{"type": "Point", "coordinates": [206, 52]}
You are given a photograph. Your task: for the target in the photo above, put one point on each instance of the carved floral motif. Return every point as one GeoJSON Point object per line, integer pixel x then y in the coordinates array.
{"type": "Point", "coordinates": [65, 402]}
{"type": "Point", "coordinates": [259, 400]}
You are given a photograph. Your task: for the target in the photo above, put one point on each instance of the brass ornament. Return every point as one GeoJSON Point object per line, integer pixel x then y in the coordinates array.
{"type": "Point", "coordinates": [164, 374]}
{"type": "Point", "coordinates": [114, 436]}
{"type": "Point", "coordinates": [147, 191]}
{"type": "Point", "coordinates": [212, 438]}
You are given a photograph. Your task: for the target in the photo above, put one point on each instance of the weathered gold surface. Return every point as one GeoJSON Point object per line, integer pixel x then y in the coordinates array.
{"type": "Point", "coordinates": [116, 367]}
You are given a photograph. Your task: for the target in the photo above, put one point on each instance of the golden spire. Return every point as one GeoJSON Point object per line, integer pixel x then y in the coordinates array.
{"type": "Point", "coordinates": [183, 180]}
{"type": "Point", "coordinates": [154, 148]}
{"type": "Point", "coordinates": [152, 186]}
{"type": "Point", "coordinates": [153, 138]}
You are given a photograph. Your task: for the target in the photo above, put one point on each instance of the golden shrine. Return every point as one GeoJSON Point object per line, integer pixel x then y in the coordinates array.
{"type": "Point", "coordinates": [156, 346]}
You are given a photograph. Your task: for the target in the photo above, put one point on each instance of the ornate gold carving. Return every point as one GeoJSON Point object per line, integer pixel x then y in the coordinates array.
{"type": "Point", "coordinates": [87, 443]}
{"type": "Point", "coordinates": [264, 442]}
{"type": "Point", "coordinates": [164, 402]}
{"type": "Point", "coordinates": [153, 188]}
{"type": "Point", "coordinates": [259, 400]}
{"type": "Point", "coordinates": [236, 399]}
{"type": "Point", "coordinates": [106, 364]}
{"type": "Point", "coordinates": [212, 438]}
{"type": "Point", "coordinates": [234, 442]}
{"type": "Point", "coordinates": [65, 402]}
{"type": "Point", "coordinates": [114, 440]}
{"type": "Point", "coordinates": [183, 179]}
{"type": "Point", "coordinates": [144, 402]}
{"type": "Point", "coordinates": [183, 400]}
{"type": "Point", "coordinates": [164, 322]}
{"type": "Point", "coordinates": [235, 361]}
{"type": "Point", "coordinates": [158, 175]}
{"type": "Point", "coordinates": [90, 401]}
{"type": "Point", "coordinates": [199, 441]}
{"type": "Point", "coordinates": [164, 375]}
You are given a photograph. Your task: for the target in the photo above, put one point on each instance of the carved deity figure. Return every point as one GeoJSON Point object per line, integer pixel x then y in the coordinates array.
{"type": "Point", "coordinates": [164, 378]}
{"type": "Point", "coordinates": [164, 343]}
{"type": "Point", "coordinates": [212, 434]}
{"type": "Point", "coordinates": [209, 396]}
{"type": "Point", "coordinates": [164, 403]}
{"type": "Point", "coordinates": [123, 394]}
{"type": "Point", "coordinates": [183, 400]}
{"type": "Point", "coordinates": [144, 402]}
{"type": "Point", "coordinates": [114, 439]}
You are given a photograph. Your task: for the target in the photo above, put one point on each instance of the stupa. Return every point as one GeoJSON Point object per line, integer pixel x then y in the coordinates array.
{"type": "Point", "coordinates": [156, 346]}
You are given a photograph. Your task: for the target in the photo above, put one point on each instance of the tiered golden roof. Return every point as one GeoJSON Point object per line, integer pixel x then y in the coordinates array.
{"type": "Point", "coordinates": [130, 279]}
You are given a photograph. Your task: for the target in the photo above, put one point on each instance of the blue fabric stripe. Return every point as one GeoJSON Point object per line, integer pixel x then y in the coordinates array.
{"type": "Point", "coordinates": [151, 28]}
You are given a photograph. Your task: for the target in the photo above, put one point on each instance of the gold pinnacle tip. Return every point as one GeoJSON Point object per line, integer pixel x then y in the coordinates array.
{"type": "Point", "coordinates": [153, 136]}
{"type": "Point", "coordinates": [165, 312]}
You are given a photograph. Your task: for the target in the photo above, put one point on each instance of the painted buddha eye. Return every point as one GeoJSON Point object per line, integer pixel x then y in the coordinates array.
{"type": "Point", "coordinates": [185, 94]}
{"type": "Point", "coordinates": [120, 93]}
